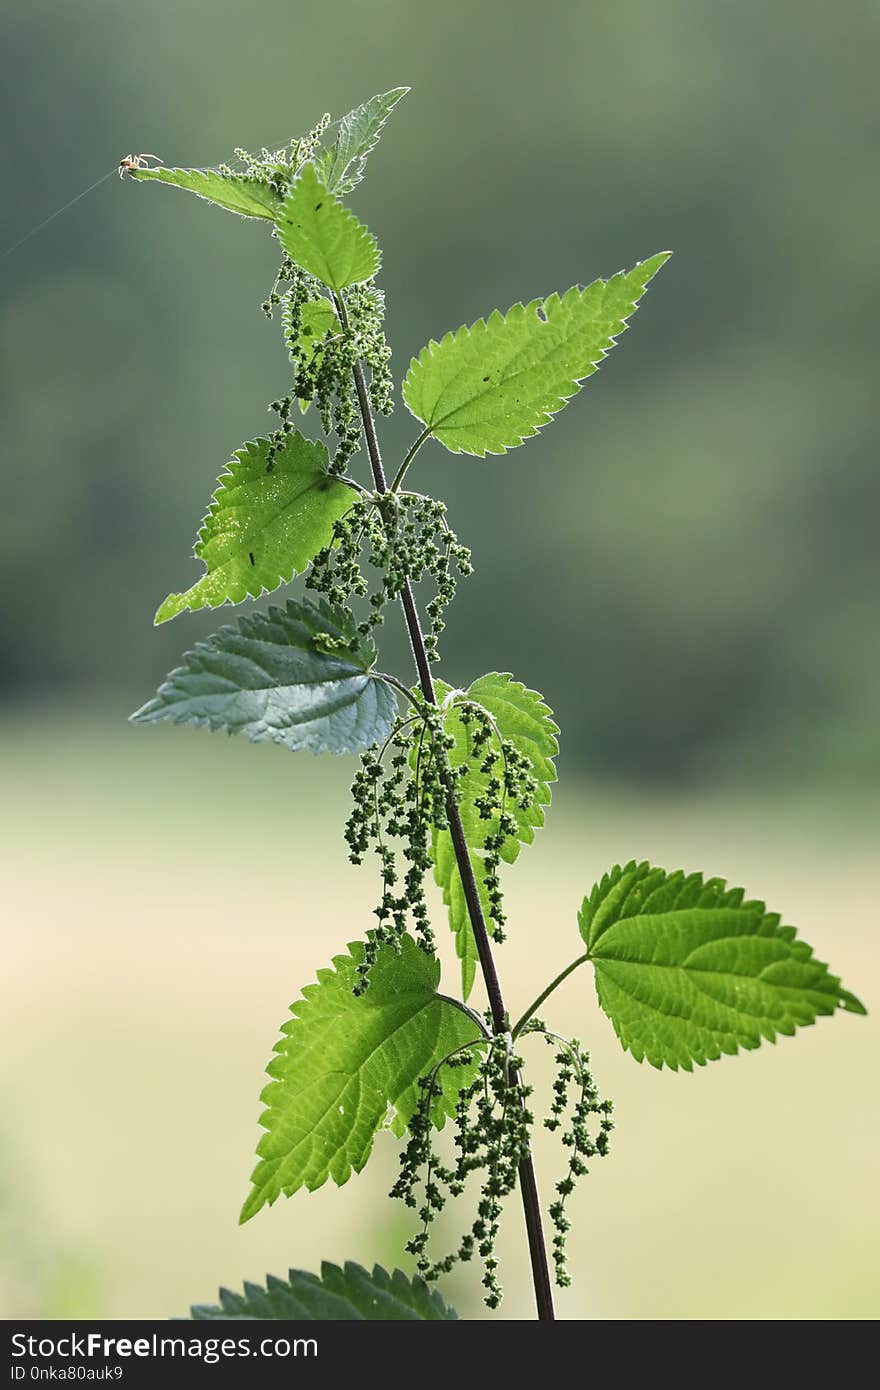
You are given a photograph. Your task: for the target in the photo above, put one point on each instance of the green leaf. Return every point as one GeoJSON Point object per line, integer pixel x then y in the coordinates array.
{"type": "Point", "coordinates": [274, 679]}
{"type": "Point", "coordinates": [485, 388]}
{"type": "Point", "coordinates": [342, 165]}
{"type": "Point", "coordinates": [339, 1295]}
{"type": "Point", "coordinates": [236, 192]}
{"type": "Point", "coordinates": [521, 716]}
{"type": "Point", "coordinates": [263, 525]}
{"type": "Point", "coordinates": [686, 969]}
{"type": "Point", "coordinates": [344, 1059]}
{"type": "Point", "coordinates": [323, 237]}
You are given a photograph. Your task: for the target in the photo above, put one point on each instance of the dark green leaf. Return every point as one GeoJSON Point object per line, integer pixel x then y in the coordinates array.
{"type": "Point", "coordinates": [339, 1295]}
{"type": "Point", "coordinates": [273, 678]}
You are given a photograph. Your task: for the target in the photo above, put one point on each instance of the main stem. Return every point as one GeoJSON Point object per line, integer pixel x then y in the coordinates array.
{"type": "Point", "coordinates": [528, 1185]}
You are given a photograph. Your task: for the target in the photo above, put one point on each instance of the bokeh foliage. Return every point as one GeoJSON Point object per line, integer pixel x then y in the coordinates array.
{"type": "Point", "coordinates": [699, 522]}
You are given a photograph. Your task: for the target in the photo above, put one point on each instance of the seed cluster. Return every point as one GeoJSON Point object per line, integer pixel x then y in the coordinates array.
{"type": "Point", "coordinates": [493, 1125]}
{"type": "Point", "coordinates": [398, 538]}
{"type": "Point", "coordinates": [492, 1128]}
{"type": "Point", "coordinates": [278, 167]}
{"type": "Point", "coordinates": [403, 803]}
{"type": "Point", "coordinates": [365, 306]}
{"type": "Point", "coordinates": [583, 1142]}
{"type": "Point", "coordinates": [383, 542]}
{"type": "Point", "coordinates": [394, 807]}
{"type": "Point", "coordinates": [323, 362]}
{"type": "Point", "coordinates": [506, 781]}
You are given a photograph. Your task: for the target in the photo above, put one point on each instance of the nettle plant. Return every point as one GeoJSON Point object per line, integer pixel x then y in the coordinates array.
{"type": "Point", "coordinates": [451, 783]}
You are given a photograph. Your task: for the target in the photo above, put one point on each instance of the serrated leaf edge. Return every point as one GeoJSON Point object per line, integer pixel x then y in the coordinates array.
{"type": "Point", "coordinates": [347, 181]}
{"type": "Point", "coordinates": [250, 448]}
{"type": "Point", "coordinates": [351, 1270]}
{"type": "Point", "coordinates": [364, 235]}
{"type": "Point", "coordinates": [846, 1001]}
{"type": "Point", "coordinates": [534, 305]}
{"type": "Point", "coordinates": [272, 612]}
{"type": "Point", "coordinates": [323, 976]}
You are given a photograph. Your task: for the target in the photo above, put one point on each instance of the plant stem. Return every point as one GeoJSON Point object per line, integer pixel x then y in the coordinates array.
{"type": "Point", "coordinates": [401, 472]}
{"type": "Point", "coordinates": [527, 1180]}
{"type": "Point", "coordinates": [554, 984]}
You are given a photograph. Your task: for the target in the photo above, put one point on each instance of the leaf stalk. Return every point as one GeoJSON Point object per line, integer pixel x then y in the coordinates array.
{"type": "Point", "coordinates": [545, 994]}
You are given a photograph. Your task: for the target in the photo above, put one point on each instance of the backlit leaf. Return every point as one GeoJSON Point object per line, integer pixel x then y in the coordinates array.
{"type": "Point", "coordinates": [342, 165]}
{"type": "Point", "coordinates": [687, 969]}
{"type": "Point", "coordinates": [343, 1060]}
{"type": "Point", "coordinates": [485, 388]}
{"type": "Point", "coordinates": [248, 197]}
{"type": "Point", "coordinates": [267, 521]}
{"type": "Point", "coordinates": [323, 237]}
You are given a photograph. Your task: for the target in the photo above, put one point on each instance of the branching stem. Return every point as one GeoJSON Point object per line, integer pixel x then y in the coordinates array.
{"type": "Point", "coordinates": [545, 994]}
{"type": "Point", "coordinates": [401, 472]}
{"type": "Point", "coordinates": [527, 1180]}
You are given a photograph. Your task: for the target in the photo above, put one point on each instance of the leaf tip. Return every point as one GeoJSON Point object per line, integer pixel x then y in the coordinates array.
{"type": "Point", "coordinates": [251, 1205]}
{"type": "Point", "coordinates": [145, 714]}
{"type": "Point", "coordinates": [851, 1004]}
{"type": "Point", "coordinates": [169, 608]}
{"type": "Point", "coordinates": [654, 264]}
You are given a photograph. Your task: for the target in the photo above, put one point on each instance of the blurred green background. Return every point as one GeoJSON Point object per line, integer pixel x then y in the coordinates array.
{"type": "Point", "coordinates": [685, 564]}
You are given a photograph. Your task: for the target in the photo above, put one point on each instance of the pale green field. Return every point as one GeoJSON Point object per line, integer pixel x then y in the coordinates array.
{"type": "Point", "coordinates": [165, 894]}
